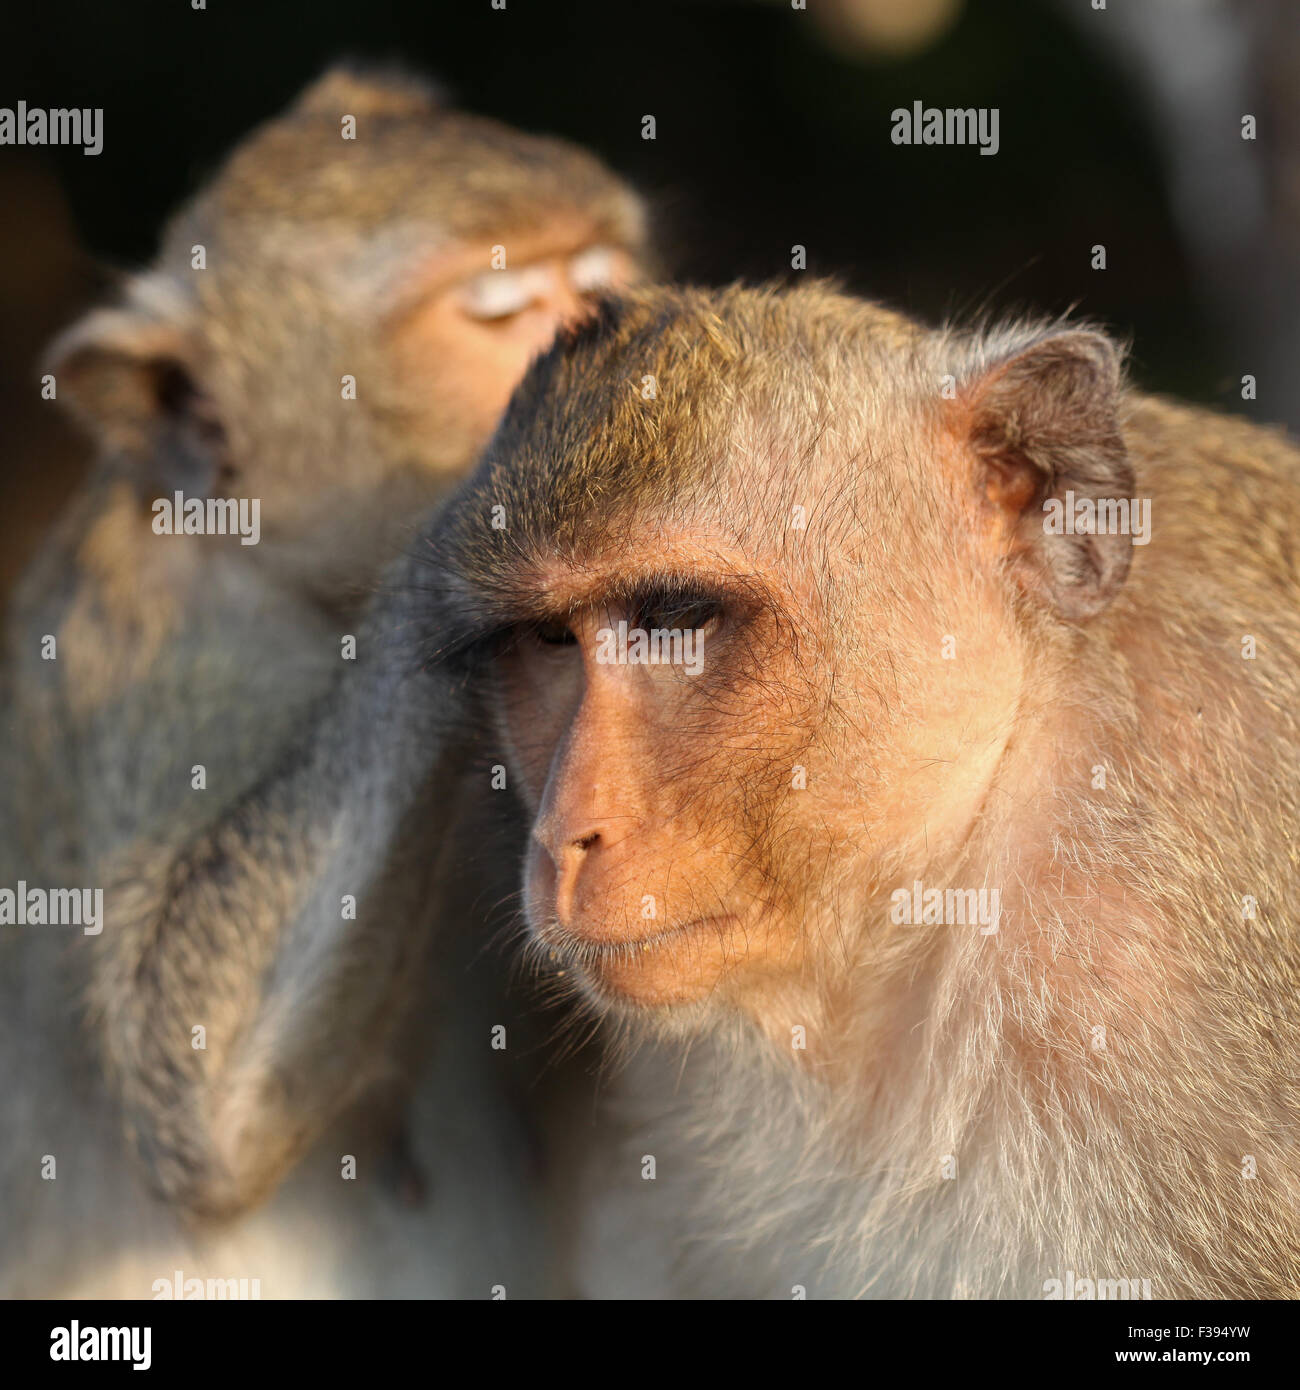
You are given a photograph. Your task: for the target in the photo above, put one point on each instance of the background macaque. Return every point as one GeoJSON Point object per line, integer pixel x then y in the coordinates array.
{"type": "Point", "coordinates": [325, 341]}
{"type": "Point", "coordinates": [1076, 753]}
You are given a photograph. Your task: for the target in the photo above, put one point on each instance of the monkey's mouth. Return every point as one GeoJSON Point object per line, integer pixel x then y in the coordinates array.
{"type": "Point", "coordinates": [564, 939]}
{"type": "Point", "coordinates": [664, 967]}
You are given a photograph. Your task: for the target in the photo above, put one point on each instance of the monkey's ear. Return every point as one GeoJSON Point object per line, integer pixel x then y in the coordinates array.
{"type": "Point", "coordinates": [372, 89]}
{"type": "Point", "coordinates": [1042, 424]}
{"type": "Point", "coordinates": [129, 375]}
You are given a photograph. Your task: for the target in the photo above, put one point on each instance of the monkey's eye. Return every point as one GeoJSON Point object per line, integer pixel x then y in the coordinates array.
{"type": "Point", "coordinates": [498, 294]}
{"type": "Point", "coordinates": [682, 613]}
{"type": "Point", "coordinates": [553, 634]}
{"type": "Point", "coordinates": [594, 269]}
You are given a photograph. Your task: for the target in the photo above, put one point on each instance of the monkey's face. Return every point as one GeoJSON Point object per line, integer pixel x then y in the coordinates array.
{"type": "Point", "coordinates": [758, 630]}
{"type": "Point", "coordinates": [348, 352]}
{"type": "Point", "coordinates": [717, 778]}
{"type": "Point", "coordinates": [482, 318]}
{"type": "Point", "coordinates": [648, 750]}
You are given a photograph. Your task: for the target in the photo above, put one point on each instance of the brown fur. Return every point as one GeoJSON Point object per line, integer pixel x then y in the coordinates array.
{"type": "Point", "coordinates": [223, 905]}
{"type": "Point", "coordinates": [1122, 906]}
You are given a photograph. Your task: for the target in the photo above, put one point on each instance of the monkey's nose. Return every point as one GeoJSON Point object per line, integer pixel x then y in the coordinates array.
{"type": "Point", "coordinates": [568, 871]}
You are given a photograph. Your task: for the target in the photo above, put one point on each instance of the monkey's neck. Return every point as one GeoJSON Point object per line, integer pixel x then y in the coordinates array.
{"type": "Point", "coordinates": [1000, 1090]}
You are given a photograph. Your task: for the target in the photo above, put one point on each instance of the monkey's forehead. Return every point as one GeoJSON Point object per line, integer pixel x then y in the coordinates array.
{"type": "Point", "coordinates": [668, 395]}
{"type": "Point", "coordinates": [464, 174]}
{"type": "Point", "coordinates": [741, 415]}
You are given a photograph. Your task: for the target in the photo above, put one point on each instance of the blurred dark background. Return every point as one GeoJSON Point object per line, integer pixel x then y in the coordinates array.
{"type": "Point", "coordinates": [1119, 127]}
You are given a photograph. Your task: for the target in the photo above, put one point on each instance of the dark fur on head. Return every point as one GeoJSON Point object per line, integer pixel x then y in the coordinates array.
{"type": "Point", "coordinates": [822, 381]}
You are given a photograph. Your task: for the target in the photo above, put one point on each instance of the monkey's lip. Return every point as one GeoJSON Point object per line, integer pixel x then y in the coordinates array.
{"type": "Point", "coordinates": [661, 970]}
{"type": "Point", "coordinates": [594, 949]}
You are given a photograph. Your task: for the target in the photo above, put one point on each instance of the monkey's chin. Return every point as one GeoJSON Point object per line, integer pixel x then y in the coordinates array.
{"type": "Point", "coordinates": [666, 970]}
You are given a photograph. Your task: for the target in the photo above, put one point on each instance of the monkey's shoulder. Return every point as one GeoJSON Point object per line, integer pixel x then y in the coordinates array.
{"type": "Point", "coordinates": [1160, 430]}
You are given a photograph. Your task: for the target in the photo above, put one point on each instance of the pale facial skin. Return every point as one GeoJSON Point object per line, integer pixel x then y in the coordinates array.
{"type": "Point", "coordinates": [678, 855]}
{"type": "Point", "coordinates": [605, 832]}
{"type": "Point", "coordinates": [475, 329]}
{"type": "Point", "coordinates": [647, 784]}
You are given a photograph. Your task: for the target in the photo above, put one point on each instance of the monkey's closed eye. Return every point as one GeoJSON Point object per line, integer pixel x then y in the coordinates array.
{"type": "Point", "coordinates": [593, 270]}
{"type": "Point", "coordinates": [500, 294]}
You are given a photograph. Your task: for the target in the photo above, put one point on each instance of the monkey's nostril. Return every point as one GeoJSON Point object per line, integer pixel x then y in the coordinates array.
{"type": "Point", "coordinates": [586, 841]}
{"type": "Point", "coordinates": [568, 872]}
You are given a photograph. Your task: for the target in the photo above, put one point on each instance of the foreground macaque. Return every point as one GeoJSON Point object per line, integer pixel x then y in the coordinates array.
{"type": "Point", "coordinates": [960, 877]}
{"type": "Point", "coordinates": [252, 979]}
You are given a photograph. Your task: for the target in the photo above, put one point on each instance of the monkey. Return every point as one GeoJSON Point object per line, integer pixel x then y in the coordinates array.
{"type": "Point", "coordinates": [267, 1007]}
{"type": "Point", "coordinates": [943, 911]}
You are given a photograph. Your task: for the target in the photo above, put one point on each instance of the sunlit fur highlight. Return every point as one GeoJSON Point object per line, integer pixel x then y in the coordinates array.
{"type": "Point", "coordinates": [1121, 908]}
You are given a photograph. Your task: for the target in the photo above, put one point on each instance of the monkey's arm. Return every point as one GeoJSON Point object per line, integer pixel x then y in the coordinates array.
{"type": "Point", "coordinates": [250, 934]}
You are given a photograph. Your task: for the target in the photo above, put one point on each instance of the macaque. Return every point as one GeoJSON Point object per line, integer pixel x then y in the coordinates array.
{"type": "Point", "coordinates": [948, 904]}
{"type": "Point", "coordinates": [322, 347]}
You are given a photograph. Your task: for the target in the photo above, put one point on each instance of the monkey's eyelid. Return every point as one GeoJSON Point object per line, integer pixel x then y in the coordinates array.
{"type": "Point", "coordinates": [669, 601]}
{"type": "Point", "coordinates": [593, 268]}
{"type": "Point", "coordinates": [680, 613]}
{"type": "Point", "coordinates": [498, 294]}
{"type": "Point", "coordinates": [552, 634]}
